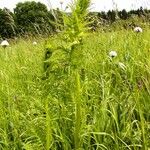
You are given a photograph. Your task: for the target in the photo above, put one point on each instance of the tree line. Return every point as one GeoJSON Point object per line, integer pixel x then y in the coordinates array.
{"type": "Point", "coordinates": [112, 15]}
{"type": "Point", "coordinates": [128, 19]}
{"type": "Point", "coordinates": [34, 18]}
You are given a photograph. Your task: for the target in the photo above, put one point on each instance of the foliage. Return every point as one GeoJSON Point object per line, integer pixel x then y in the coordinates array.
{"type": "Point", "coordinates": [7, 24]}
{"type": "Point", "coordinates": [123, 14]}
{"type": "Point", "coordinates": [114, 101]}
{"type": "Point", "coordinates": [74, 27]}
{"type": "Point", "coordinates": [88, 100]}
{"type": "Point", "coordinates": [105, 19]}
{"type": "Point", "coordinates": [32, 17]}
{"type": "Point", "coordinates": [111, 16]}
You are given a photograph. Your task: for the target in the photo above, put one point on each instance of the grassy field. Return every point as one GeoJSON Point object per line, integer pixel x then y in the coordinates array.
{"type": "Point", "coordinates": [104, 104]}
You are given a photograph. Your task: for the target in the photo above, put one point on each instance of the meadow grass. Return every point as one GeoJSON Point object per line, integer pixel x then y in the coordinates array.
{"type": "Point", "coordinates": [102, 105]}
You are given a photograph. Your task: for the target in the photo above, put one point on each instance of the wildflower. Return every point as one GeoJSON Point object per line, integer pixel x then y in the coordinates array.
{"type": "Point", "coordinates": [34, 43]}
{"type": "Point", "coordinates": [138, 29]}
{"type": "Point", "coordinates": [122, 66]}
{"type": "Point", "coordinates": [4, 43]}
{"type": "Point", "coordinates": [112, 54]}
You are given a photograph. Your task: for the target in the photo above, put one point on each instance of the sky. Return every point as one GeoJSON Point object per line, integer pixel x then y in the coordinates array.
{"type": "Point", "coordinates": [96, 5]}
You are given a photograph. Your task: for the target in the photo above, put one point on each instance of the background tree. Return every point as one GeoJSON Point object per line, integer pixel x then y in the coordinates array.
{"type": "Point", "coordinates": [7, 23]}
{"type": "Point", "coordinates": [111, 16]}
{"type": "Point", "coordinates": [123, 14]}
{"type": "Point", "coordinates": [140, 12]}
{"type": "Point", "coordinates": [103, 15]}
{"type": "Point", "coordinates": [33, 17]}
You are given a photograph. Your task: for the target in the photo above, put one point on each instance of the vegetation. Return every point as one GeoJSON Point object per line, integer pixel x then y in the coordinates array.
{"type": "Point", "coordinates": [33, 18]}
{"type": "Point", "coordinates": [76, 96]}
{"type": "Point", "coordinates": [7, 23]}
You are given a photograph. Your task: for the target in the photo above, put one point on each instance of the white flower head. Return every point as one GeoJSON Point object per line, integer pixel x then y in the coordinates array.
{"type": "Point", "coordinates": [34, 43]}
{"type": "Point", "coordinates": [138, 29]}
{"type": "Point", "coordinates": [112, 54]}
{"type": "Point", "coordinates": [4, 43]}
{"type": "Point", "coordinates": [122, 65]}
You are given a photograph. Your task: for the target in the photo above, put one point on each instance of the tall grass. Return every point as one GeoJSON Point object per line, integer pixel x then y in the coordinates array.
{"type": "Point", "coordinates": [88, 102]}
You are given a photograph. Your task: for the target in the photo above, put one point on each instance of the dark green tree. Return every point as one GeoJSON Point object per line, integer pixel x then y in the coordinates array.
{"type": "Point", "coordinates": [103, 15]}
{"type": "Point", "coordinates": [7, 23]}
{"type": "Point", "coordinates": [33, 17]}
{"type": "Point", "coordinates": [111, 16]}
{"type": "Point", "coordinates": [141, 12]}
{"type": "Point", "coordinates": [123, 14]}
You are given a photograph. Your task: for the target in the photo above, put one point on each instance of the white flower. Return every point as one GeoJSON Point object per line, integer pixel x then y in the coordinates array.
{"type": "Point", "coordinates": [112, 54]}
{"type": "Point", "coordinates": [138, 29]}
{"type": "Point", "coordinates": [4, 43]}
{"type": "Point", "coordinates": [122, 66]}
{"type": "Point", "coordinates": [34, 43]}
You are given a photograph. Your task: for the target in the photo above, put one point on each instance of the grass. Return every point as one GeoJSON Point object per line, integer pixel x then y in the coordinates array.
{"type": "Point", "coordinates": [103, 106]}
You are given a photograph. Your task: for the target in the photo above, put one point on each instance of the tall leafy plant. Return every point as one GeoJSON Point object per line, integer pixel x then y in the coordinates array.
{"type": "Point", "coordinates": [75, 28]}
{"type": "Point", "coordinates": [66, 66]}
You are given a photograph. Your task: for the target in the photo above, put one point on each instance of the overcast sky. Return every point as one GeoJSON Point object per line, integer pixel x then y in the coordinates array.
{"type": "Point", "coordinates": [97, 5]}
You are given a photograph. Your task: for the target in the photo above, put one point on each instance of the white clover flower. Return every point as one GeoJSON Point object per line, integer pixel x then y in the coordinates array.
{"type": "Point", "coordinates": [4, 43]}
{"type": "Point", "coordinates": [122, 65]}
{"type": "Point", "coordinates": [34, 43]}
{"type": "Point", "coordinates": [112, 54]}
{"type": "Point", "coordinates": [138, 29]}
